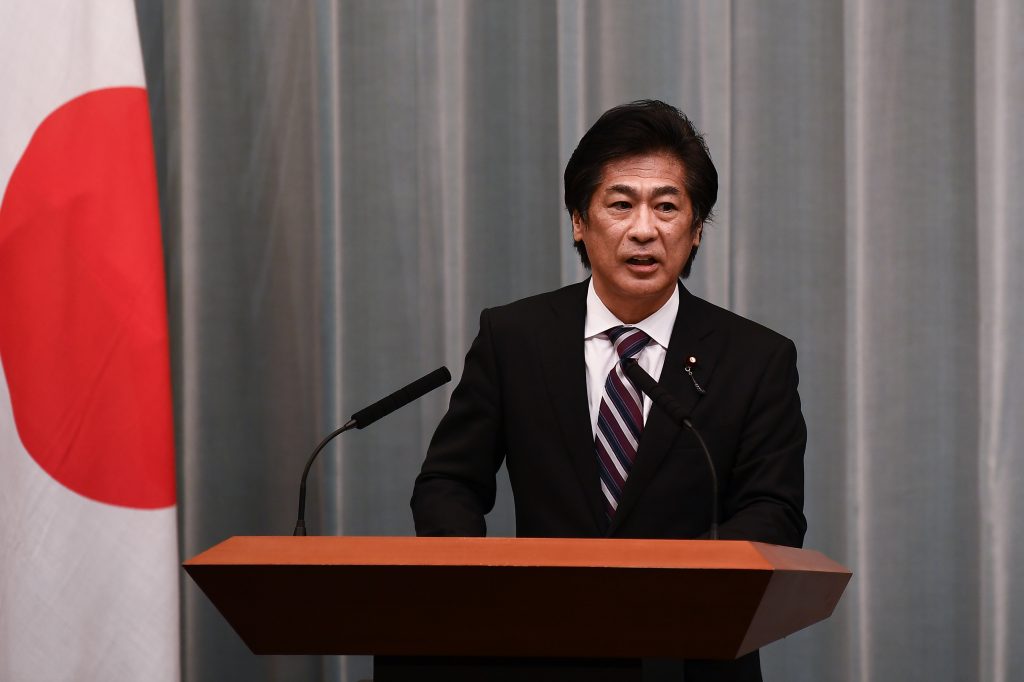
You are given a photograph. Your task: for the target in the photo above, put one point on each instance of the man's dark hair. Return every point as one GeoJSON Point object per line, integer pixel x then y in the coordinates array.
{"type": "Point", "coordinates": [642, 127]}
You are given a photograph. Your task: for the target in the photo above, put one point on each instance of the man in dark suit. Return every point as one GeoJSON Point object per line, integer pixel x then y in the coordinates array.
{"type": "Point", "coordinates": [543, 389]}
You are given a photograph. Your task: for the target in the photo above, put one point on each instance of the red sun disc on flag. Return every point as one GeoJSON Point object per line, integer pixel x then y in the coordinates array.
{"type": "Point", "coordinates": [83, 322]}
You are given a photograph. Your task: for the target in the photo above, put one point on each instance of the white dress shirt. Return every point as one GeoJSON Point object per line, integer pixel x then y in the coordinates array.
{"type": "Point", "coordinates": [600, 353]}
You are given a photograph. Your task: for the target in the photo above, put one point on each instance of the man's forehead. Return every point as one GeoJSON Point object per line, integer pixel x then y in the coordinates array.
{"type": "Point", "coordinates": [660, 167]}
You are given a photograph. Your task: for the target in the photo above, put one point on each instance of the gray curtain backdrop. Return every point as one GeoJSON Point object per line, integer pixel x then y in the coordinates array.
{"type": "Point", "coordinates": [346, 184]}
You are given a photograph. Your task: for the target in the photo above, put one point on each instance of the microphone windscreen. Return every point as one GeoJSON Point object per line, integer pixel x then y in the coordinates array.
{"type": "Point", "coordinates": [401, 397]}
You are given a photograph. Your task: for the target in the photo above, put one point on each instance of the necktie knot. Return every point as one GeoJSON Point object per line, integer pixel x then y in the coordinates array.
{"type": "Point", "coordinates": [627, 341]}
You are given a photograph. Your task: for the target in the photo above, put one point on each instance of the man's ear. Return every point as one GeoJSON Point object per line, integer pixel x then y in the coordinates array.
{"type": "Point", "coordinates": [700, 232]}
{"type": "Point", "coordinates": [579, 226]}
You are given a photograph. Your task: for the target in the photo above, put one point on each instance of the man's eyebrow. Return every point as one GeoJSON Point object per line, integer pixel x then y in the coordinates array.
{"type": "Point", "coordinates": [632, 193]}
{"type": "Point", "coordinates": [622, 189]}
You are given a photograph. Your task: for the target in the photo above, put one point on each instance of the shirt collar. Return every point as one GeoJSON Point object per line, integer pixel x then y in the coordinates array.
{"type": "Point", "coordinates": [658, 325]}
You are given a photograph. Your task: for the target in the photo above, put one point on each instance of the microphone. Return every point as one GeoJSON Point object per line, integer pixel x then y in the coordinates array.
{"type": "Point", "coordinates": [667, 403]}
{"type": "Point", "coordinates": [365, 417]}
{"type": "Point", "coordinates": [401, 397]}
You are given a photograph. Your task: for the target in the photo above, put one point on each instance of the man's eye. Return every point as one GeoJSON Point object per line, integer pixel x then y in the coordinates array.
{"type": "Point", "coordinates": [666, 206]}
{"type": "Point", "coordinates": [623, 205]}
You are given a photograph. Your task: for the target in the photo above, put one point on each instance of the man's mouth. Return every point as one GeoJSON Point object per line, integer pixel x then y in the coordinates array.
{"type": "Point", "coordinates": [641, 260]}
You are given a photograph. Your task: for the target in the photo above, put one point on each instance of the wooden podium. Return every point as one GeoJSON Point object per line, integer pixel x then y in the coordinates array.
{"type": "Point", "coordinates": [514, 597]}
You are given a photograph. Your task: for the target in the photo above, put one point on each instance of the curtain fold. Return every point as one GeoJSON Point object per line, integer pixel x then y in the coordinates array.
{"type": "Point", "coordinates": [345, 186]}
{"type": "Point", "coordinates": [1000, 247]}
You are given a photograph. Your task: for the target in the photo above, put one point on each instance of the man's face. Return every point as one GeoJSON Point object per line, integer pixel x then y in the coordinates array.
{"type": "Point", "coordinates": [638, 233]}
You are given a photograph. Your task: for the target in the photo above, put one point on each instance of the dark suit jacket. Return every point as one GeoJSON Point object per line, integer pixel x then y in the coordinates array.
{"type": "Point", "coordinates": [523, 399]}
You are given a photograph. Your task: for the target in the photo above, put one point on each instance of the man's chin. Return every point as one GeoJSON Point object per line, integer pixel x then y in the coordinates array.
{"type": "Point", "coordinates": [647, 284]}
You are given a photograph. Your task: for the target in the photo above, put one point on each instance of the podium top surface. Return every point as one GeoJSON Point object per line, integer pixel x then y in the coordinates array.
{"type": "Point", "coordinates": [511, 552]}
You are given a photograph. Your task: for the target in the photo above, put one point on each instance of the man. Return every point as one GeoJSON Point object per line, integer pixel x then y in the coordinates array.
{"type": "Point", "coordinates": [542, 389]}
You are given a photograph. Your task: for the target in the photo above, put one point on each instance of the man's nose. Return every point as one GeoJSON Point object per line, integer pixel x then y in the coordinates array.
{"type": "Point", "coordinates": [642, 229]}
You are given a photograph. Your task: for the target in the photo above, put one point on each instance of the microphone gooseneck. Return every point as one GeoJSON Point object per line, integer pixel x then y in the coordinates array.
{"type": "Point", "coordinates": [668, 404]}
{"type": "Point", "coordinates": [367, 416]}
{"type": "Point", "coordinates": [300, 523]}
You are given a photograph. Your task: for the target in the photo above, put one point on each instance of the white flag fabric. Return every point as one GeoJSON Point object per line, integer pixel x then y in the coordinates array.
{"type": "Point", "coordinates": [88, 546]}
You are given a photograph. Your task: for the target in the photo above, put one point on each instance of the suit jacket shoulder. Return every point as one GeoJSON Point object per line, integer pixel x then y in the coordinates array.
{"type": "Point", "coordinates": [566, 305]}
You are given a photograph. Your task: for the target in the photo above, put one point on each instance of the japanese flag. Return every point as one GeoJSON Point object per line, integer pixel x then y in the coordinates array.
{"type": "Point", "coordinates": [88, 549]}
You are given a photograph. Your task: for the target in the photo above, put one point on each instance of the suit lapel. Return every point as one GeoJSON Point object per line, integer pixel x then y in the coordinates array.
{"type": "Point", "coordinates": [565, 373]}
{"type": "Point", "coordinates": [691, 337]}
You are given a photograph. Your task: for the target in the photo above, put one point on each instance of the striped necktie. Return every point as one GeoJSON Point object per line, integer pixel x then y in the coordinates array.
{"type": "Point", "coordinates": [620, 419]}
